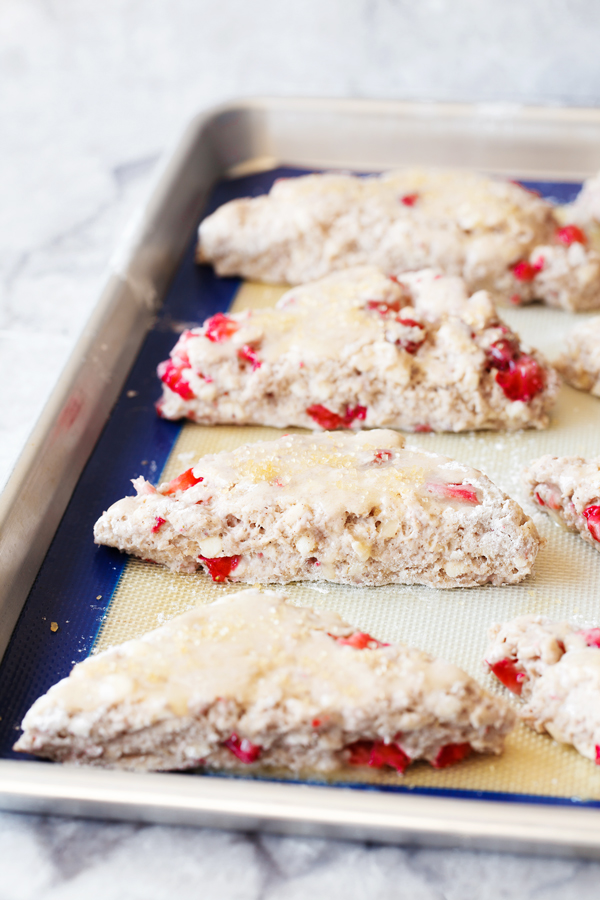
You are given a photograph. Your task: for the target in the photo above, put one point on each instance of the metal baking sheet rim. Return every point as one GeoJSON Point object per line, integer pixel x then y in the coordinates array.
{"type": "Point", "coordinates": [73, 418]}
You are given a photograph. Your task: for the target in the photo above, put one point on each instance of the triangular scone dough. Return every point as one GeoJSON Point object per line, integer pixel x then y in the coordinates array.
{"type": "Point", "coordinates": [358, 350]}
{"type": "Point", "coordinates": [580, 364]}
{"type": "Point", "coordinates": [555, 667]}
{"type": "Point", "coordinates": [355, 509]}
{"type": "Point", "coordinates": [495, 234]}
{"type": "Point", "coordinates": [252, 679]}
{"type": "Point", "coordinates": [568, 489]}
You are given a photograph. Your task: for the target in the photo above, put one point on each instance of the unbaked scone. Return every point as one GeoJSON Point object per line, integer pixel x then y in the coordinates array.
{"type": "Point", "coordinates": [555, 668]}
{"type": "Point", "coordinates": [348, 508]}
{"type": "Point", "coordinates": [358, 349]}
{"type": "Point", "coordinates": [495, 234]}
{"type": "Point", "coordinates": [580, 365]}
{"type": "Point", "coordinates": [568, 489]}
{"type": "Point", "coordinates": [252, 680]}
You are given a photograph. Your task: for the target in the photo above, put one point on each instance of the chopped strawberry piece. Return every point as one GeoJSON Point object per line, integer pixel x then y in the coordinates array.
{"type": "Point", "coordinates": [409, 199]}
{"type": "Point", "coordinates": [450, 754]}
{"type": "Point", "coordinates": [249, 354]}
{"type": "Point", "coordinates": [411, 346]}
{"type": "Point", "coordinates": [378, 754]}
{"type": "Point", "coordinates": [538, 499]}
{"type": "Point", "coordinates": [170, 374]}
{"type": "Point", "coordinates": [592, 514]}
{"type": "Point", "coordinates": [570, 234]}
{"type": "Point", "coordinates": [502, 353]}
{"type": "Point", "coordinates": [244, 749]}
{"type": "Point", "coordinates": [382, 456]}
{"type": "Point", "coordinates": [591, 636]}
{"type": "Point", "coordinates": [423, 429]}
{"type": "Point", "coordinates": [516, 299]}
{"type": "Point", "coordinates": [523, 379]}
{"type": "Point", "coordinates": [598, 754]}
{"type": "Point", "coordinates": [506, 671]}
{"type": "Point", "coordinates": [220, 567]}
{"type": "Point", "coordinates": [524, 271]}
{"type": "Point", "coordinates": [182, 483]}
{"type": "Point", "coordinates": [453, 492]}
{"type": "Point", "coordinates": [392, 755]}
{"type": "Point", "coordinates": [158, 523]}
{"type": "Point", "coordinates": [220, 328]}
{"type": "Point", "coordinates": [357, 412]}
{"type": "Point", "coordinates": [360, 640]}
{"type": "Point", "coordinates": [330, 420]}
{"type": "Point", "coordinates": [316, 723]}
{"type": "Point", "coordinates": [325, 418]}
{"type": "Point", "coordinates": [384, 307]}
{"type": "Point", "coordinates": [360, 753]}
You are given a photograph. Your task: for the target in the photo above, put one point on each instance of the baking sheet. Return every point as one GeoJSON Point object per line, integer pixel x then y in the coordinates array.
{"type": "Point", "coordinates": [78, 597]}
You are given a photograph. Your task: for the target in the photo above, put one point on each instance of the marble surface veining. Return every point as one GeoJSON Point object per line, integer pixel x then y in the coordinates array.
{"type": "Point", "coordinates": [91, 95]}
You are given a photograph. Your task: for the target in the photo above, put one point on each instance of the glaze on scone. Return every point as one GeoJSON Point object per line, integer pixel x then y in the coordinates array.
{"type": "Point", "coordinates": [359, 349]}
{"type": "Point", "coordinates": [353, 509]}
{"type": "Point", "coordinates": [555, 668]}
{"type": "Point", "coordinates": [568, 489]}
{"type": "Point", "coordinates": [495, 234]}
{"type": "Point", "coordinates": [580, 365]}
{"type": "Point", "coordinates": [250, 679]}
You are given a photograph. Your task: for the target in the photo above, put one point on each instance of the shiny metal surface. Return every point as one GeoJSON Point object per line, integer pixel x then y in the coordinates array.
{"type": "Point", "coordinates": [242, 137]}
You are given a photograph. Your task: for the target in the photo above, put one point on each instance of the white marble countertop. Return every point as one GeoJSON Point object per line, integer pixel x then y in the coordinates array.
{"type": "Point", "coordinates": [92, 94]}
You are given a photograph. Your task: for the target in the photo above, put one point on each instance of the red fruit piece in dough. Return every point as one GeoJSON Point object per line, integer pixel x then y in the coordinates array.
{"type": "Point", "coordinates": [378, 754]}
{"type": "Point", "coordinates": [182, 483]}
{"type": "Point", "coordinates": [453, 492]}
{"type": "Point", "coordinates": [592, 514]}
{"type": "Point", "coordinates": [170, 374]}
{"type": "Point", "coordinates": [538, 499]}
{"type": "Point", "coordinates": [324, 417]}
{"type": "Point", "coordinates": [221, 567]}
{"type": "Point", "coordinates": [524, 271]}
{"type": "Point", "coordinates": [411, 346]}
{"type": "Point", "coordinates": [244, 749]}
{"type": "Point", "coordinates": [409, 199]}
{"type": "Point", "coordinates": [591, 636]}
{"type": "Point", "coordinates": [502, 353]}
{"type": "Point", "coordinates": [357, 412]}
{"type": "Point", "coordinates": [385, 306]}
{"type": "Point", "coordinates": [158, 523]}
{"type": "Point", "coordinates": [598, 754]}
{"type": "Point", "coordinates": [506, 671]}
{"type": "Point", "coordinates": [330, 420]}
{"type": "Point", "coordinates": [570, 234]}
{"type": "Point", "coordinates": [450, 754]}
{"type": "Point", "coordinates": [360, 640]}
{"type": "Point", "coordinates": [360, 753]}
{"type": "Point", "coordinates": [382, 456]}
{"type": "Point", "coordinates": [220, 328]}
{"type": "Point", "coordinates": [523, 379]}
{"type": "Point", "coordinates": [423, 429]}
{"type": "Point", "coordinates": [249, 354]}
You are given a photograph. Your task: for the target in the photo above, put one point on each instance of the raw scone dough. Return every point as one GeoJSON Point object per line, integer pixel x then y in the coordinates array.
{"type": "Point", "coordinates": [352, 509]}
{"type": "Point", "coordinates": [580, 365]}
{"type": "Point", "coordinates": [568, 489]}
{"type": "Point", "coordinates": [360, 349]}
{"type": "Point", "coordinates": [250, 679]}
{"type": "Point", "coordinates": [495, 234]}
{"type": "Point", "coordinates": [556, 670]}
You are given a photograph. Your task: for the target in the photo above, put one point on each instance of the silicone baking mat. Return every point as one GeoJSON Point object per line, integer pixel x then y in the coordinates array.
{"type": "Point", "coordinates": [451, 624]}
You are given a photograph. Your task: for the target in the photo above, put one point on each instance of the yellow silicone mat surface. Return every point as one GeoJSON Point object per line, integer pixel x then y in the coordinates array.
{"type": "Point", "coordinates": [452, 624]}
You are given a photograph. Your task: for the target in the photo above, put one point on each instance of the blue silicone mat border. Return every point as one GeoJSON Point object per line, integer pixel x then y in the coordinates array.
{"type": "Point", "coordinates": [77, 579]}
